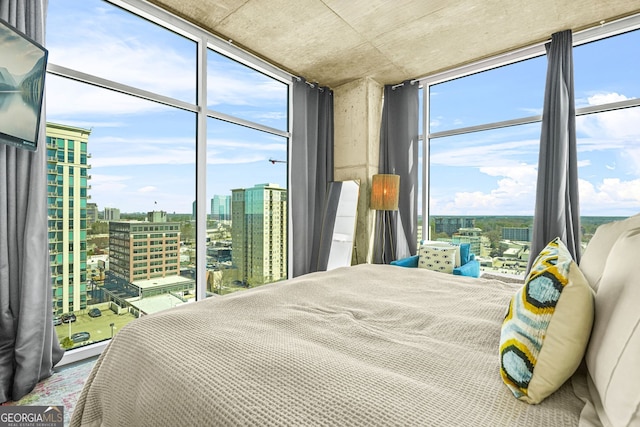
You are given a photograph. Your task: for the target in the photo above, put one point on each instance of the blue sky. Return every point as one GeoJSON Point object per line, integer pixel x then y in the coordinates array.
{"type": "Point", "coordinates": [143, 152]}
{"type": "Point", "coordinates": [494, 172]}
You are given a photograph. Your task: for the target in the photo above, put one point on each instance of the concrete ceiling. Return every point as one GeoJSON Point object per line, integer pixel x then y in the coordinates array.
{"type": "Point", "coordinates": [336, 41]}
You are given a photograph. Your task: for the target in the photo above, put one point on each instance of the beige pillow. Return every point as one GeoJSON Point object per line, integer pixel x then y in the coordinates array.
{"type": "Point", "coordinates": [546, 330]}
{"type": "Point", "coordinates": [595, 255]}
{"type": "Point", "coordinates": [613, 355]}
{"type": "Point", "coordinates": [437, 258]}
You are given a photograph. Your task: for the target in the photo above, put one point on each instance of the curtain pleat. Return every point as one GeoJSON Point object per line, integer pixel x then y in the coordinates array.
{"type": "Point", "coordinates": [557, 203]}
{"type": "Point", "coordinates": [311, 171]}
{"type": "Point", "coordinates": [28, 343]}
{"type": "Point", "coordinates": [396, 232]}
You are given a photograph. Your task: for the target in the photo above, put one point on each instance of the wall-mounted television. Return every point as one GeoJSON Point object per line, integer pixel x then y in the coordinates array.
{"type": "Point", "coordinates": [23, 65]}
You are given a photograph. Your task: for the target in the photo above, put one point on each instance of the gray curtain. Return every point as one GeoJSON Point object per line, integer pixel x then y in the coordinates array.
{"type": "Point", "coordinates": [557, 209]}
{"type": "Point", "coordinates": [311, 170]}
{"type": "Point", "coordinates": [28, 343]}
{"type": "Point", "coordinates": [396, 235]}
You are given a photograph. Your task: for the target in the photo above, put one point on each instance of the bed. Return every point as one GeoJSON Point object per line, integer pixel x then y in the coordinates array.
{"type": "Point", "coordinates": [367, 345]}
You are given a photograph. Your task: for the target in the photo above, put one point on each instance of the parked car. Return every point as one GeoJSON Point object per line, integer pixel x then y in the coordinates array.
{"type": "Point", "coordinates": [80, 337]}
{"type": "Point", "coordinates": [68, 318]}
{"type": "Point", "coordinates": [57, 320]}
{"type": "Point", "coordinates": [95, 312]}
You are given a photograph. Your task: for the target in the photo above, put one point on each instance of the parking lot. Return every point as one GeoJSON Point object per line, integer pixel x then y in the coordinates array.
{"type": "Point", "coordinates": [98, 327]}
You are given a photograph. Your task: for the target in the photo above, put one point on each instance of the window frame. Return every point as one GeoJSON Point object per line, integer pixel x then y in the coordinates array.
{"type": "Point", "coordinates": [604, 30]}
{"type": "Point", "coordinates": [204, 41]}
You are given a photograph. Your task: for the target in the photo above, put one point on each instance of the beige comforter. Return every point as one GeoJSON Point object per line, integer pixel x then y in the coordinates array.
{"type": "Point", "coordinates": [371, 345]}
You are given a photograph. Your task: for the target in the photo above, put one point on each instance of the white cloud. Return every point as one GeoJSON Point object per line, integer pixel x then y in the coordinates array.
{"type": "Point", "coordinates": [115, 151]}
{"type": "Point", "coordinates": [66, 98]}
{"type": "Point", "coordinates": [513, 194]}
{"type": "Point", "coordinates": [483, 151]}
{"type": "Point", "coordinates": [147, 189]}
{"type": "Point", "coordinates": [611, 194]}
{"type": "Point", "coordinates": [246, 146]}
{"type": "Point", "coordinates": [108, 184]}
{"type": "Point", "coordinates": [605, 98]}
{"type": "Point", "coordinates": [144, 154]}
{"type": "Point", "coordinates": [611, 125]}
{"type": "Point", "coordinates": [108, 43]}
{"type": "Point", "coordinates": [243, 88]}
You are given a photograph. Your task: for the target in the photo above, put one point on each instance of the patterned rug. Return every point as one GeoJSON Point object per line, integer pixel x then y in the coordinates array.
{"type": "Point", "coordinates": [61, 388]}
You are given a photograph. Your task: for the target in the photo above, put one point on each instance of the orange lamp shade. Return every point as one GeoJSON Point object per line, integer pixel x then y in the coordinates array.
{"type": "Point", "coordinates": [385, 191]}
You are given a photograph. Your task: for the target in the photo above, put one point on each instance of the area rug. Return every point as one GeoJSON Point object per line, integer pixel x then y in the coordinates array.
{"type": "Point", "coordinates": [61, 388]}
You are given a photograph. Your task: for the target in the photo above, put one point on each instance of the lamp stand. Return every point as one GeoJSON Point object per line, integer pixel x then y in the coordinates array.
{"type": "Point", "coordinates": [386, 223]}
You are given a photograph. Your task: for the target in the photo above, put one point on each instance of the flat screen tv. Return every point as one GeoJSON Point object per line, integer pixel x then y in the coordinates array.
{"type": "Point", "coordinates": [23, 64]}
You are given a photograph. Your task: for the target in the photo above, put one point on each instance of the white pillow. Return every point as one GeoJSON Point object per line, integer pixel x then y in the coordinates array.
{"type": "Point", "coordinates": [595, 255]}
{"type": "Point", "coordinates": [437, 244]}
{"type": "Point", "coordinates": [437, 258]}
{"type": "Point", "coordinates": [613, 354]}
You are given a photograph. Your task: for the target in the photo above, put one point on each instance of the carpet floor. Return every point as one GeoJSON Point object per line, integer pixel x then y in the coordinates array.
{"type": "Point", "coordinates": [61, 388]}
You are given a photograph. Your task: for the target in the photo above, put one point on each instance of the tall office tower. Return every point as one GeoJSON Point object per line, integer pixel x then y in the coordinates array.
{"type": "Point", "coordinates": [259, 233]}
{"type": "Point", "coordinates": [221, 208]}
{"type": "Point", "coordinates": [67, 186]}
{"type": "Point", "coordinates": [111, 214]}
{"type": "Point", "coordinates": [92, 214]}
{"type": "Point", "coordinates": [140, 250]}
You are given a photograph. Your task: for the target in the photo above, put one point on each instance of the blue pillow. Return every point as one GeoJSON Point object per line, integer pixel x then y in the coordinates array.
{"type": "Point", "coordinates": [411, 261]}
{"type": "Point", "coordinates": [465, 253]}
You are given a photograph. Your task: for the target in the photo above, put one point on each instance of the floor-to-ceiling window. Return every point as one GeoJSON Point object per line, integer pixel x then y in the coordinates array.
{"type": "Point", "coordinates": [247, 180]}
{"type": "Point", "coordinates": [152, 125]}
{"type": "Point", "coordinates": [482, 127]}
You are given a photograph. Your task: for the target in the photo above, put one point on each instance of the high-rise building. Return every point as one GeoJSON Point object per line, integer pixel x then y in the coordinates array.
{"type": "Point", "coordinates": [259, 233]}
{"type": "Point", "coordinates": [221, 208]}
{"type": "Point", "coordinates": [111, 214]}
{"type": "Point", "coordinates": [140, 250]}
{"type": "Point", "coordinates": [92, 213]}
{"type": "Point", "coordinates": [67, 186]}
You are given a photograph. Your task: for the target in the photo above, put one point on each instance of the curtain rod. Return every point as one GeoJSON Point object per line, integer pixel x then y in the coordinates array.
{"type": "Point", "coordinates": [402, 84]}
{"type": "Point", "coordinates": [312, 85]}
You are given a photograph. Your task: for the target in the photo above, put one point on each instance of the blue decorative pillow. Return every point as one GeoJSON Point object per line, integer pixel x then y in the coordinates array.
{"type": "Point", "coordinates": [411, 261]}
{"type": "Point", "coordinates": [465, 253]}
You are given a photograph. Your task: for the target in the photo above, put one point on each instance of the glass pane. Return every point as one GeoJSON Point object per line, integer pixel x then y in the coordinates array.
{"type": "Point", "coordinates": [607, 70]}
{"type": "Point", "coordinates": [247, 227]}
{"type": "Point", "coordinates": [243, 92]}
{"type": "Point", "coordinates": [504, 93]}
{"type": "Point", "coordinates": [135, 161]}
{"type": "Point", "coordinates": [98, 38]}
{"type": "Point", "coordinates": [482, 191]}
{"type": "Point", "coordinates": [609, 175]}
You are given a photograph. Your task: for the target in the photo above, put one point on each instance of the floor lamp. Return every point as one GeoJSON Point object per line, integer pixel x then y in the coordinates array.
{"type": "Point", "coordinates": [385, 192]}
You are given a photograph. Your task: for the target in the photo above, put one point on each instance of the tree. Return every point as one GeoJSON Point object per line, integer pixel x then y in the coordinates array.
{"type": "Point", "coordinates": [99, 227]}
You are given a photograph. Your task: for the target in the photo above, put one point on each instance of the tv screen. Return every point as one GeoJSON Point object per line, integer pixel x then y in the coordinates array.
{"type": "Point", "coordinates": [23, 64]}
